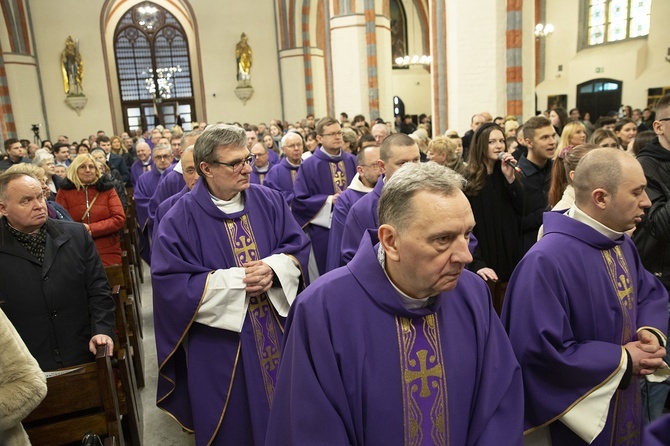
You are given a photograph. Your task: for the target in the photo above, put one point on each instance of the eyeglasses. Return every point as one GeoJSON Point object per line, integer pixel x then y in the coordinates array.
{"type": "Point", "coordinates": [162, 157]}
{"type": "Point", "coordinates": [294, 146]}
{"type": "Point", "coordinates": [237, 166]}
{"type": "Point", "coordinates": [333, 134]}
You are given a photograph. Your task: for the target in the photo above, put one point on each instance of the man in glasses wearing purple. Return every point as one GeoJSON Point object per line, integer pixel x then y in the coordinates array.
{"type": "Point", "coordinates": [227, 263]}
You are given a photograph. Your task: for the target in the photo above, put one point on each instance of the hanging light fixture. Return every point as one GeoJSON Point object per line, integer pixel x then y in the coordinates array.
{"type": "Point", "coordinates": [413, 60]}
{"type": "Point", "coordinates": [542, 30]}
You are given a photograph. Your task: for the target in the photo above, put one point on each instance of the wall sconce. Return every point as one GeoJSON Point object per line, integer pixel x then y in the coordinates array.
{"type": "Point", "coordinates": [543, 30]}
{"type": "Point", "coordinates": [667, 57]}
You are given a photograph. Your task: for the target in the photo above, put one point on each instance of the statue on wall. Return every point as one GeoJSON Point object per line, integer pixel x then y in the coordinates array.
{"type": "Point", "coordinates": [72, 68]}
{"type": "Point", "coordinates": [244, 60]}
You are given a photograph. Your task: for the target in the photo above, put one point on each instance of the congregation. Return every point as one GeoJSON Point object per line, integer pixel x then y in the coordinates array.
{"type": "Point", "coordinates": [337, 281]}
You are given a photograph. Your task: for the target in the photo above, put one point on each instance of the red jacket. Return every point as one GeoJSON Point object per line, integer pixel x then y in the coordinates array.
{"type": "Point", "coordinates": [105, 218]}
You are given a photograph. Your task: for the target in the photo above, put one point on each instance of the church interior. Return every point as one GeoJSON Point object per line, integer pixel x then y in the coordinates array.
{"type": "Point", "coordinates": [73, 67]}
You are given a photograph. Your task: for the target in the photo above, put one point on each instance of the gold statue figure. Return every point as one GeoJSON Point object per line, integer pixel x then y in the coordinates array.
{"type": "Point", "coordinates": [244, 60]}
{"type": "Point", "coordinates": [72, 68]}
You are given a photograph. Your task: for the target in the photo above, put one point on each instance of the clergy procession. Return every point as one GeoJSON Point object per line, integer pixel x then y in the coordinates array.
{"type": "Point", "coordinates": [363, 295]}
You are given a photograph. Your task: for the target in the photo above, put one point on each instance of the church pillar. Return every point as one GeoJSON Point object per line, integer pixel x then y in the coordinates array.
{"type": "Point", "coordinates": [438, 68]}
{"type": "Point", "coordinates": [514, 59]}
{"type": "Point", "coordinates": [7, 125]}
{"type": "Point", "coordinates": [19, 75]}
{"type": "Point", "coordinates": [360, 43]}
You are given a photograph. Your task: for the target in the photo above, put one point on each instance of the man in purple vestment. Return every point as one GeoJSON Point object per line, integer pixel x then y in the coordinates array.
{"type": "Point", "coordinates": [227, 263]}
{"type": "Point", "coordinates": [144, 190]}
{"type": "Point", "coordinates": [190, 176]}
{"type": "Point", "coordinates": [395, 151]}
{"type": "Point", "coordinates": [585, 319]}
{"type": "Point", "coordinates": [143, 164]}
{"type": "Point", "coordinates": [283, 176]}
{"type": "Point", "coordinates": [367, 174]}
{"type": "Point", "coordinates": [261, 165]}
{"type": "Point", "coordinates": [172, 180]}
{"type": "Point", "coordinates": [320, 181]}
{"type": "Point", "coordinates": [401, 346]}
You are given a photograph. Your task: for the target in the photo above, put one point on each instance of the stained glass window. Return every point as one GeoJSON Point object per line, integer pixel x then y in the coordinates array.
{"type": "Point", "coordinates": [615, 20]}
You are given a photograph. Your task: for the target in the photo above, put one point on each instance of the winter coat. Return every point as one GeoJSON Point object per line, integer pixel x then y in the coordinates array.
{"type": "Point", "coordinates": [105, 219]}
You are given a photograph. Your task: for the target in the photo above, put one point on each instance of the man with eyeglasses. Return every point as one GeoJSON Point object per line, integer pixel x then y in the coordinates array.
{"type": "Point", "coordinates": [320, 181]}
{"type": "Point", "coordinates": [367, 174]}
{"type": "Point", "coordinates": [261, 165]}
{"type": "Point", "coordinates": [282, 177]}
{"type": "Point", "coordinates": [396, 150]}
{"type": "Point", "coordinates": [651, 236]}
{"type": "Point", "coordinates": [227, 262]}
{"type": "Point", "coordinates": [144, 190]}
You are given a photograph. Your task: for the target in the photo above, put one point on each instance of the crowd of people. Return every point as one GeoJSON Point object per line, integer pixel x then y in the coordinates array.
{"type": "Point", "coordinates": [345, 282]}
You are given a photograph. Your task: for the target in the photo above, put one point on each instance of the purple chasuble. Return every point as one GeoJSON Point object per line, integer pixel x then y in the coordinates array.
{"type": "Point", "coordinates": [359, 368]}
{"type": "Point", "coordinates": [142, 192]}
{"type": "Point", "coordinates": [361, 217]}
{"type": "Point", "coordinates": [138, 169]}
{"type": "Point", "coordinates": [273, 158]}
{"type": "Point", "coordinates": [337, 226]}
{"type": "Point", "coordinates": [170, 183]}
{"type": "Point", "coordinates": [573, 301]}
{"type": "Point", "coordinates": [219, 388]}
{"type": "Point", "coordinates": [319, 177]}
{"type": "Point", "coordinates": [257, 177]}
{"type": "Point", "coordinates": [166, 205]}
{"type": "Point", "coordinates": [658, 432]}
{"type": "Point", "coordinates": [282, 178]}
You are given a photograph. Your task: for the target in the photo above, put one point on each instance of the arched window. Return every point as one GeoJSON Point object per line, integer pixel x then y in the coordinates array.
{"type": "Point", "coordinates": [615, 20]}
{"type": "Point", "coordinates": [154, 73]}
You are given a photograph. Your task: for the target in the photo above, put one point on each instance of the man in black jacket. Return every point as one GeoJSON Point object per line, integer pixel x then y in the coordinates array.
{"type": "Point", "coordinates": [53, 287]}
{"type": "Point", "coordinates": [652, 235]}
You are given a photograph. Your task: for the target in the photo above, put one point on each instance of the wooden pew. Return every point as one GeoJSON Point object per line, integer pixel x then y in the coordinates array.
{"type": "Point", "coordinates": [127, 327]}
{"type": "Point", "coordinates": [77, 403]}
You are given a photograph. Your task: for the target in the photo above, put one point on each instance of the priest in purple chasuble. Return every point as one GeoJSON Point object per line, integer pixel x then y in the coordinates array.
{"type": "Point", "coordinates": [401, 346]}
{"type": "Point", "coordinates": [143, 164]}
{"type": "Point", "coordinates": [320, 181]}
{"type": "Point", "coordinates": [367, 174]}
{"type": "Point", "coordinates": [585, 319]}
{"type": "Point", "coordinates": [262, 164]}
{"type": "Point", "coordinates": [227, 263]}
{"type": "Point", "coordinates": [283, 176]}
{"type": "Point", "coordinates": [144, 190]}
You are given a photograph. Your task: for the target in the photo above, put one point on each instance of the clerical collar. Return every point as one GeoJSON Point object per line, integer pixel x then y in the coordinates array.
{"type": "Point", "coordinates": [146, 163]}
{"type": "Point", "coordinates": [329, 155]}
{"type": "Point", "coordinates": [358, 186]}
{"type": "Point", "coordinates": [579, 215]}
{"type": "Point", "coordinates": [291, 164]}
{"type": "Point", "coordinates": [236, 204]}
{"type": "Point", "coordinates": [409, 302]}
{"type": "Point", "coordinates": [177, 167]}
{"type": "Point", "coordinates": [262, 169]}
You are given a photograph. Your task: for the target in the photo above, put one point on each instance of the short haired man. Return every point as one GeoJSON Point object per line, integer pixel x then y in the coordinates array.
{"type": "Point", "coordinates": [114, 161]}
{"type": "Point", "coordinates": [650, 235]}
{"type": "Point", "coordinates": [396, 150]}
{"type": "Point", "coordinates": [401, 346]}
{"type": "Point", "coordinates": [380, 132]}
{"type": "Point", "coordinates": [190, 176]}
{"type": "Point", "coordinates": [175, 143]}
{"type": "Point", "coordinates": [61, 154]}
{"type": "Point", "coordinates": [226, 263]}
{"type": "Point", "coordinates": [367, 174]}
{"type": "Point", "coordinates": [144, 190]}
{"type": "Point", "coordinates": [261, 165]}
{"type": "Point", "coordinates": [584, 317]}
{"type": "Point", "coordinates": [282, 177]}
{"type": "Point", "coordinates": [52, 283]}
{"type": "Point", "coordinates": [475, 122]}
{"type": "Point", "coordinates": [144, 162]}
{"type": "Point", "coordinates": [63, 139]}
{"type": "Point", "coordinates": [320, 181]}
{"type": "Point", "coordinates": [536, 166]}
{"type": "Point", "coordinates": [16, 154]}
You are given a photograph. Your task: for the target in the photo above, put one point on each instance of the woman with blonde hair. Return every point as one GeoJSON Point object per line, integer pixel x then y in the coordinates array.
{"type": "Point", "coordinates": [561, 193]}
{"type": "Point", "coordinates": [119, 149]}
{"type": "Point", "coordinates": [603, 137]}
{"type": "Point", "coordinates": [443, 150]}
{"type": "Point", "coordinates": [574, 134]}
{"type": "Point", "coordinates": [90, 198]}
